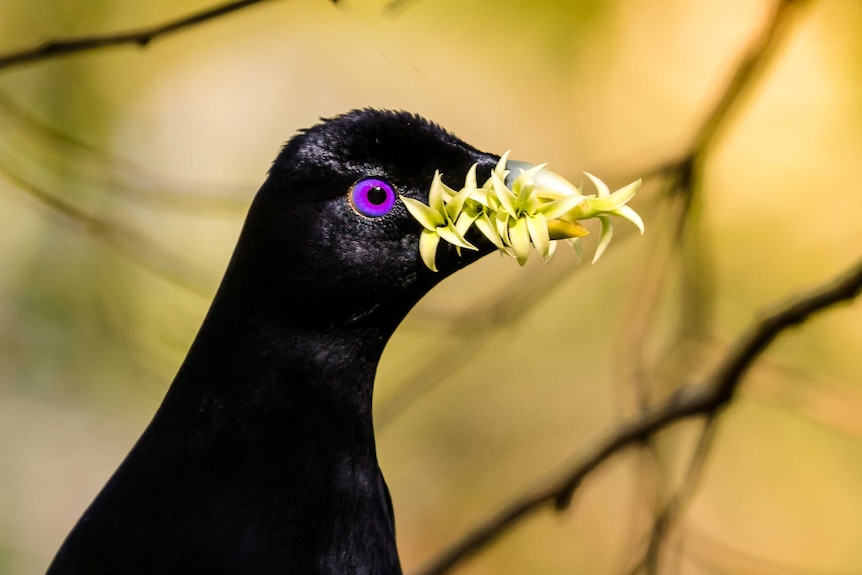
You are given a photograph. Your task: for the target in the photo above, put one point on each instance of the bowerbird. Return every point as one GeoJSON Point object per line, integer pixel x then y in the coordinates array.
{"type": "Point", "coordinates": [261, 458]}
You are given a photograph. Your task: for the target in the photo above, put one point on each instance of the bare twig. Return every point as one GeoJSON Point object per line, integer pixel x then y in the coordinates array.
{"type": "Point", "coordinates": [686, 174]}
{"type": "Point", "coordinates": [667, 517]}
{"type": "Point", "coordinates": [46, 146]}
{"type": "Point", "coordinates": [141, 38]}
{"type": "Point", "coordinates": [643, 308]}
{"type": "Point", "coordinates": [683, 181]}
{"type": "Point", "coordinates": [749, 68]}
{"type": "Point", "coordinates": [134, 246]}
{"type": "Point", "coordinates": [395, 7]}
{"type": "Point", "coordinates": [469, 331]}
{"type": "Point", "coordinates": [705, 399]}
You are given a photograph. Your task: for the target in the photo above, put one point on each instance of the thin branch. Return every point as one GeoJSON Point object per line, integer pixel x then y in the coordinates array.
{"type": "Point", "coordinates": [705, 399]}
{"type": "Point", "coordinates": [97, 169]}
{"type": "Point", "coordinates": [749, 69]}
{"type": "Point", "coordinates": [643, 308]}
{"type": "Point", "coordinates": [134, 246]}
{"type": "Point", "coordinates": [667, 517]}
{"type": "Point", "coordinates": [685, 171]}
{"type": "Point", "coordinates": [683, 181]}
{"type": "Point", "coordinates": [396, 7]}
{"type": "Point", "coordinates": [468, 331]}
{"type": "Point", "coordinates": [141, 37]}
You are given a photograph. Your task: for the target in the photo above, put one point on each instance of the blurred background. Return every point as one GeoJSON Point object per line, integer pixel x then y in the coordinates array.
{"type": "Point", "coordinates": [125, 175]}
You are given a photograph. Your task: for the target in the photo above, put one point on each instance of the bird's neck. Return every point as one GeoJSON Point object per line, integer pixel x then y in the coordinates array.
{"type": "Point", "coordinates": [279, 418]}
{"type": "Point", "coordinates": [295, 379]}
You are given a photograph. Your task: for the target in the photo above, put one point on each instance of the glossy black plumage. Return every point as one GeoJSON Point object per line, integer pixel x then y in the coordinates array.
{"type": "Point", "coordinates": [261, 458]}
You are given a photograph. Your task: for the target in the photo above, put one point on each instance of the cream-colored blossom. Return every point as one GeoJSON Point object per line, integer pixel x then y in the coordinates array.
{"type": "Point", "coordinates": [534, 208]}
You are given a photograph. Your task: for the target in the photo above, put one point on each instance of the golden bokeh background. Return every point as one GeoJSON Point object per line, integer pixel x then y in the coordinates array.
{"type": "Point", "coordinates": [125, 174]}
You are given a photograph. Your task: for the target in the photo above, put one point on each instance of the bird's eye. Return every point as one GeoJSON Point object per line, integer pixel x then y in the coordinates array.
{"type": "Point", "coordinates": [372, 197]}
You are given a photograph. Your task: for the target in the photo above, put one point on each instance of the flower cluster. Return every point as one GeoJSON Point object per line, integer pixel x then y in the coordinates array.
{"type": "Point", "coordinates": [537, 208]}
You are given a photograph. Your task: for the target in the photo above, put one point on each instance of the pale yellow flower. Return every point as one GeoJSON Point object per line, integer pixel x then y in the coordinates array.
{"type": "Point", "coordinates": [535, 208]}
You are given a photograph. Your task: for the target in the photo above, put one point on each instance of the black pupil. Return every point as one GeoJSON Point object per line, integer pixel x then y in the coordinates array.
{"type": "Point", "coordinates": [377, 195]}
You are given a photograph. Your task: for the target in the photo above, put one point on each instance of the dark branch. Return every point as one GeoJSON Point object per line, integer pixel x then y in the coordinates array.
{"type": "Point", "coordinates": [706, 399]}
{"type": "Point", "coordinates": [749, 68]}
{"type": "Point", "coordinates": [683, 177]}
{"type": "Point", "coordinates": [395, 7]}
{"type": "Point", "coordinates": [665, 520]}
{"type": "Point", "coordinates": [141, 37]}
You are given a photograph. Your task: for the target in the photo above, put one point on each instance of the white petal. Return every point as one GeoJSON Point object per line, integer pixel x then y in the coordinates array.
{"type": "Point", "coordinates": [507, 199]}
{"type": "Point", "coordinates": [600, 185]}
{"type": "Point", "coordinates": [428, 248]}
{"type": "Point", "coordinates": [451, 235]}
{"type": "Point", "coordinates": [538, 228]}
{"type": "Point", "coordinates": [487, 228]}
{"type": "Point", "coordinates": [519, 236]}
{"type": "Point", "coordinates": [555, 209]}
{"type": "Point", "coordinates": [631, 215]}
{"type": "Point", "coordinates": [428, 218]}
{"type": "Point", "coordinates": [604, 237]}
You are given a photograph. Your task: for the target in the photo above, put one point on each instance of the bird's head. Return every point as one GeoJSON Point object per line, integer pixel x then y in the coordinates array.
{"type": "Point", "coordinates": [352, 215]}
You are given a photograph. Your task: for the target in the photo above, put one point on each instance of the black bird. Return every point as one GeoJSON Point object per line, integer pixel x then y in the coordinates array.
{"type": "Point", "coordinates": [261, 458]}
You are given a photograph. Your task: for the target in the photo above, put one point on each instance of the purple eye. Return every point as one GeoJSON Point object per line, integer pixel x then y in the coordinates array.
{"type": "Point", "coordinates": [372, 197]}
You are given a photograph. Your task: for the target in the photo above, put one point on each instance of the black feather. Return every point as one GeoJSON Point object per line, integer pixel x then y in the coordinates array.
{"type": "Point", "coordinates": [261, 459]}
